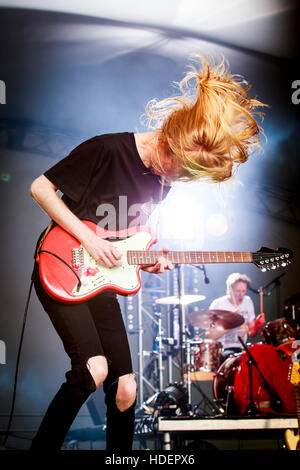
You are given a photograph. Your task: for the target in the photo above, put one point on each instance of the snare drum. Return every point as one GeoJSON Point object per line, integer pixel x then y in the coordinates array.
{"type": "Point", "coordinates": [207, 357]}
{"type": "Point", "coordinates": [278, 332]}
{"type": "Point", "coordinates": [205, 360]}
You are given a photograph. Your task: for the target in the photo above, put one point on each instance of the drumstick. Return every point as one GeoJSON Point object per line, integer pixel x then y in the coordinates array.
{"type": "Point", "coordinates": [234, 299]}
{"type": "Point", "coordinates": [261, 300]}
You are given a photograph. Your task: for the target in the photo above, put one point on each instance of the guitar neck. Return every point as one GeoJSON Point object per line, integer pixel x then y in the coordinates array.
{"type": "Point", "coordinates": [189, 257]}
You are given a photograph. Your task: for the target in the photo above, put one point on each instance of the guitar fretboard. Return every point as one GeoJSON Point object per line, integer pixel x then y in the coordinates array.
{"type": "Point", "coordinates": [189, 257]}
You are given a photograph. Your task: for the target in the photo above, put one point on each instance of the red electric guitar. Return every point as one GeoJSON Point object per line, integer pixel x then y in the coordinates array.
{"type": "Point", "coordinates": [70, 274]}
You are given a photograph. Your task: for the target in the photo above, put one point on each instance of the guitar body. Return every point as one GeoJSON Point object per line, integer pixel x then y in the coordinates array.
{"type": "Point", "coordinates": [60, 282]}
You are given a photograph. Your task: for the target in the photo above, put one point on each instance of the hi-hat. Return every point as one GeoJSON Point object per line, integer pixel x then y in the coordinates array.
{"type": "Point", "coordinates": [207, 319]}
{"type": "Point", "coordinates": [183, 300]}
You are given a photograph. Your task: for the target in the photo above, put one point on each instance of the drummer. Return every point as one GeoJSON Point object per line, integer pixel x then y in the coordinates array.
{"type": "Point", "coordinates": [236, 301]}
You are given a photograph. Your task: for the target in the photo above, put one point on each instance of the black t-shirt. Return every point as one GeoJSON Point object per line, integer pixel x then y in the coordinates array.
{"type": "Point", "coordinates": [105, 181]}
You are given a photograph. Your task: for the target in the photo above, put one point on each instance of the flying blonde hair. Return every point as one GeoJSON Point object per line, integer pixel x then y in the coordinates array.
{"type": "Point", "coordinates": [210, 127]}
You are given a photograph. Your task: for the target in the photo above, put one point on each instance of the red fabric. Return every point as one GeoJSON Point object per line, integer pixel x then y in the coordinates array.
{"type": "Point", "coordinates": [275, 370]}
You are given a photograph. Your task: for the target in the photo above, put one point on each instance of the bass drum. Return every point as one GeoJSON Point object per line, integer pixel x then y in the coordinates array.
{"type": "Point", "coordinates": [224, 381]}
{"type": "Point", "coordinates": [274, 364]}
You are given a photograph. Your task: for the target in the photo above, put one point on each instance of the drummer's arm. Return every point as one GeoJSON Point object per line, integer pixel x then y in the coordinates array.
{"type": "Point", "coordinates": [255, 325]}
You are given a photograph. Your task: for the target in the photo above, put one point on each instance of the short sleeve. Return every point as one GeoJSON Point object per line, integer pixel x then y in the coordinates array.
{"type": "Point", "coordinates": [73, 174]}
{"type": "Point", "coordinates": [251, 311]}
{"type": "Point", "coordinates": [214, 305]}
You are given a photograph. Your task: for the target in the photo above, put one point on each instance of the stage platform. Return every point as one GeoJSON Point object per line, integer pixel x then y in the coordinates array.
{"type": "Point", "coordinates": [225, 427]}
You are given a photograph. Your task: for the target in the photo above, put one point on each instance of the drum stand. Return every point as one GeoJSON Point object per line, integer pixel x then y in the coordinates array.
{"type": "Point", "coordinates": [276, 402]}
{"type": "Point", "coordinates": [208, 405]}
{"type": "Point", "coordinates": [185, 349]}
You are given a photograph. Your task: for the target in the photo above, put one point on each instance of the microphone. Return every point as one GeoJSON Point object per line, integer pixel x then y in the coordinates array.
{"type": "Point", "coordinates": [202, 268]}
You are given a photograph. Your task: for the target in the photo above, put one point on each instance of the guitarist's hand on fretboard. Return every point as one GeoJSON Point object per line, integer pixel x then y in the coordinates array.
{"type": "Point", "coordinates": [161, 265]}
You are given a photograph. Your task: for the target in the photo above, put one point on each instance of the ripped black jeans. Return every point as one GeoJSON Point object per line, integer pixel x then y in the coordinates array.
{"type": "Point", "coordinates": [88, 329]}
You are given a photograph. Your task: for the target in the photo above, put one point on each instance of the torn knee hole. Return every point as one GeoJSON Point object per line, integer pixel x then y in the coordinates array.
{"type": "Point", "coordinates": [124, 405]}
{"type": "Point", "coordinates": [98, 368]}
{"type": "Point", "coordinates": [126, 395]}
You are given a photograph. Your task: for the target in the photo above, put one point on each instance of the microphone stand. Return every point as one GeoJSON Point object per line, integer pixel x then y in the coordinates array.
{"type": "Point", "coordinates": [277, 283]}
{"type": "Point", "coordinates": [202, 268]}
{"type": "Point", "coordinates": [276, 402]}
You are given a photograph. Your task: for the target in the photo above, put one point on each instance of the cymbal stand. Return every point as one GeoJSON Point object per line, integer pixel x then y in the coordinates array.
{"type": "Point", "coordinates": [188, 380]}
{"type": "Point", "coordinates": [182, 327]}
{"type": "Point", "coordinates": [185, 344]}
{"type": "Point", "coordinates": [159, 351]}
{"type": "Point", "coordinates": [182, 331]}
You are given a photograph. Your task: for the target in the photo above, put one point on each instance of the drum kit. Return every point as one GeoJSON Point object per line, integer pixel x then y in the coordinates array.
{"type": "Point", "coordinates": [249, 382]}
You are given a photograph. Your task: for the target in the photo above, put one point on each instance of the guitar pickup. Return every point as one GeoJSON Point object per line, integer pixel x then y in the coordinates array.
{"type": "Point", "coordinates": [77, 258]}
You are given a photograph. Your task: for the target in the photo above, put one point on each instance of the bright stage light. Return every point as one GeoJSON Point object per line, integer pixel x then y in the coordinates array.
{"type": "Point", "coordinates": [182, 216]}
{"type": "Point", "coordinates": [217, 225]}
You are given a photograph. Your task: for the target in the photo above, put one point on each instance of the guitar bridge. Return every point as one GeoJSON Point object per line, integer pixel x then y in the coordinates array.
{"type": "Point", "coordinates": [77, 258]}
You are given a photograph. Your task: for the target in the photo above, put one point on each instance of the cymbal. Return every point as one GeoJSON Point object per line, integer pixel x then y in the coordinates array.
{"type": "Point", "coordinates": [183, 300]}
{"type": "Point", "coordinates": [206, 319]}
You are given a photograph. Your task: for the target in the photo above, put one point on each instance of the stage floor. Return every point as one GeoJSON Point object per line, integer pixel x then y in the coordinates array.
{"type": "Point", "coordinates": [225, 427]}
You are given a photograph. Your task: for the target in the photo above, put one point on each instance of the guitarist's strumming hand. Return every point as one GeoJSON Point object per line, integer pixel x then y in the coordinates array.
{"type": "Point", "coordinates": [161, 264]}
{"type": "Point", "coordinates": [102, 250]}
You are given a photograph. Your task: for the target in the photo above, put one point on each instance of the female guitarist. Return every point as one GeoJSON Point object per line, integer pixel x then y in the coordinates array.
{"type": "Point", "coordinates": [203, 133]}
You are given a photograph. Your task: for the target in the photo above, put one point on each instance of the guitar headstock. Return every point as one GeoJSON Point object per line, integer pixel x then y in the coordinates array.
{"type": "Point", "coordinates": [266, 259]}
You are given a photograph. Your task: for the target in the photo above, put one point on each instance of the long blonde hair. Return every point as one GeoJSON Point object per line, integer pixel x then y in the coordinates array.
{"type": "Point", "coordinates": [210, 128]}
